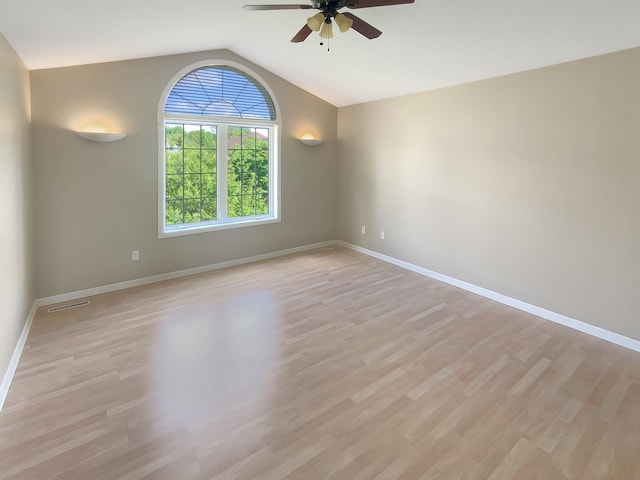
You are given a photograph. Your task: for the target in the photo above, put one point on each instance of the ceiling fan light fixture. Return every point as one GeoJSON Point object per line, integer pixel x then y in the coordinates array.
{"type": "Point", "coordinates": [316, 21]}
{"type": "Point", "coordinates": [344, 23]}
{"type": "Point", "coordinates": [327, 30]}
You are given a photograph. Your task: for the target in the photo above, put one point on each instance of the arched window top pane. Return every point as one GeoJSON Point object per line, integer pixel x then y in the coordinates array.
{"type": "Point", "coordinates": [220, 91]}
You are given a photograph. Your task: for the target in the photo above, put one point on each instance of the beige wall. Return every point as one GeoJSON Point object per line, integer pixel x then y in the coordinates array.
{"type": "Point", "coordinates": [97, 202]}
{"type": "Point", "coordinates": [528, 185]}
{"type": "Point", "coordinates": [16, 237]}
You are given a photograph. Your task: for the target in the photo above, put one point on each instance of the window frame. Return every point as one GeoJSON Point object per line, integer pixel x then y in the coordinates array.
{"type": "Point", "coordinates": [165, 231]}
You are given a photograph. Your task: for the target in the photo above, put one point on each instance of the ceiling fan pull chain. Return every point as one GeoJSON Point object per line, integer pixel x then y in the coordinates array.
{"type": "Point", "coordinates": [328, 46]}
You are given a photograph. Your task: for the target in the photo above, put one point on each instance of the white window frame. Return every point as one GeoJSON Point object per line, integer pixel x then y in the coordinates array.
{"type": "Point", "coordinates": [222, 124]}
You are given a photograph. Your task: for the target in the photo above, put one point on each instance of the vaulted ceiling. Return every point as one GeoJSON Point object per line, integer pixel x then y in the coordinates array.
{"type": "Point", "coordinates": [425, 45]}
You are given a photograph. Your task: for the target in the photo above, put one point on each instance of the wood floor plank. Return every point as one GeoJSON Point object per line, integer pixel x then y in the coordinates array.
{"type": "Point", "coordinates": [326, 364]}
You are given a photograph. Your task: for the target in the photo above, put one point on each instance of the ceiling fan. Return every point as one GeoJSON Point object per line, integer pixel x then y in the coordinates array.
{"type": "Point", "coordinates": [328, 10]}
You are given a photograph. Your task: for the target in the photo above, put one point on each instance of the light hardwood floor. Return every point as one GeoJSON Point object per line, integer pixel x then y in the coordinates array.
{"type": "Point", "coordinates": [322, 365]}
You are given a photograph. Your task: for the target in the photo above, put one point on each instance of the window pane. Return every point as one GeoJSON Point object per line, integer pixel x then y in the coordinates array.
{"type": "Point", "coordinates": [209, 209]}
{"type": "Point", "coordinates": [173, 212]}
{"type": "Point", "coordinates": [173, 135]}
{"type": "Point", "coordinates": [192, 161]}
{"type": "Point", "coordinates": [247, 186]}
{"type": "Point", "coordinates": [174, 185]}
{"type": "Point", "coordinates": [234, 206]}
{"type": "Point", "coordinates": [262, 135]}
{"type": "Point", "coordinates": [248, 160]}
{"type": "Point", "coordinates": [192, 186]}
{"type": "Point", "coordinates": [192, 136]}
{"type": "Point", "coordinates": [209, 138]}
{"type": "Point", "coordinates": [173, 161]}
{"type": "Point", "coordinates": [248, 205]}
{"type": "Point", "coordinates": [209, 185]}
{"type": "Point", "coordinates": [192, 210]}
{"type": "Point", "coordinates": [262, 204]}
{"type": "Point", "coordinates": [209, 161]}
{"type": "Point", "coordinates": [235, 161]}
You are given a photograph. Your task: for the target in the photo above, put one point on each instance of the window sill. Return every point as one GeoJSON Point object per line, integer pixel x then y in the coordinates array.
{"type": "Point", "coordinates": [193, 229]}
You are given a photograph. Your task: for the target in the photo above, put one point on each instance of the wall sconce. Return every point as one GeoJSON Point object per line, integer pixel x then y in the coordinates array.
{"type": "Point", "coordinates": [101, 136]}
{"type": "Point", "coordinates": [98, 132]}
{"type": "Point", "coordinates": [310, 140]}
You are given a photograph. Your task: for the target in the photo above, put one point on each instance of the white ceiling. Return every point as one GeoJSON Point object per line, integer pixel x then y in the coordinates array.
{"type": "Point", "coordinates": [425, 45]}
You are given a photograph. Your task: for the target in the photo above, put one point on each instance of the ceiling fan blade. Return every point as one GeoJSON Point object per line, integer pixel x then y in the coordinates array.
{"type": "Point", "coordinates": [374, 3]}
{"type": "Point", "coordinates": [278, 7]}
{"type": "Point", "coordinates": [363, 27]}
{"type": "Point", "coordinates": [302, 35]}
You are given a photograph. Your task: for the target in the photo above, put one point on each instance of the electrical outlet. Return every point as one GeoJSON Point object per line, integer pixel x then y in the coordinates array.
{"type": "Point", "coordinates": [135, 255]}
{"type": "Point", "coordinates": [364, 230]}
{"type": "Point", "coordinates": [382, 234]}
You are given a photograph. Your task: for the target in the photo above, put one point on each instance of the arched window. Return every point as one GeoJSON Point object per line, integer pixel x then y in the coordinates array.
{"type": "Point", "coordinates": [218, 155]}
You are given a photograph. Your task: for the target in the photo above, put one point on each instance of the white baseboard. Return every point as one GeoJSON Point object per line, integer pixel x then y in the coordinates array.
{"type": "Point", "coordinates": [15, 358]}
{"type": "Point", "coordinates": [65, 297]}
{"type": "Point", "coordinates": [599, 332]}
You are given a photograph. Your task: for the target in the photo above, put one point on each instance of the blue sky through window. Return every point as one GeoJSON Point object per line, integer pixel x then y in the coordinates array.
{"type": "Point", "coordinates": [221, 92]}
